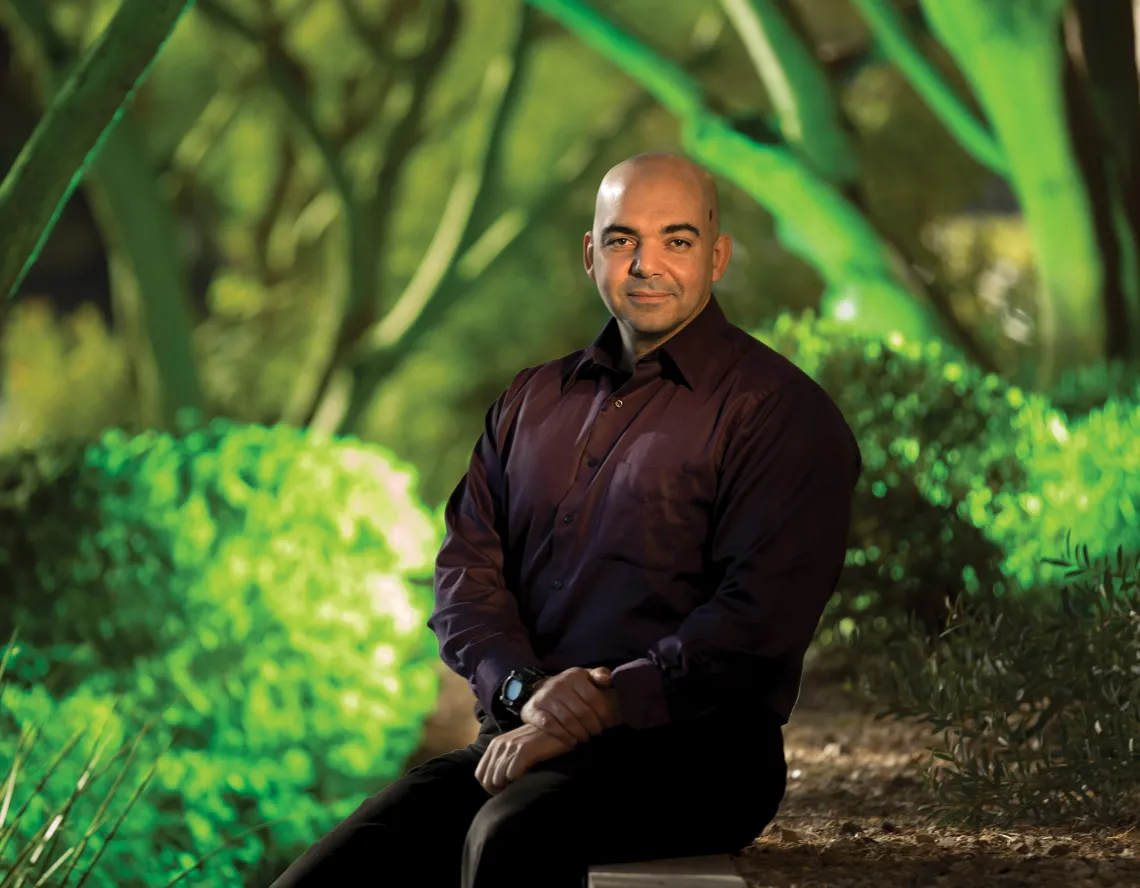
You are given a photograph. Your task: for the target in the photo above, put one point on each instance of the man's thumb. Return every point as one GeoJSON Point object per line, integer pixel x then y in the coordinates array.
{"type": "Point", "coordinates": [600, 675]}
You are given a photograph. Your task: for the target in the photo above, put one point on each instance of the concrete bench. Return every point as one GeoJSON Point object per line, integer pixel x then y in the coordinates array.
{"type": "Point", "coordinates": [715, 871]}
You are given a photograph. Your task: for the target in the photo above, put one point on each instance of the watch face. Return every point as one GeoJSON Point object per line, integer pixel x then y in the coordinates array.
{"type": "Point", "coordinates": [513, 689]}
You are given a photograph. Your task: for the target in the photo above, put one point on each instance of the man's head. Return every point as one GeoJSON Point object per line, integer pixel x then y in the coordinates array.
{"type": "Point", "coordinates": [656, 248]}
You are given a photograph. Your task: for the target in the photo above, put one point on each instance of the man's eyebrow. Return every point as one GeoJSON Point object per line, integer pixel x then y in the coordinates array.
{"type": "Point", "coordinates": [665, 229]}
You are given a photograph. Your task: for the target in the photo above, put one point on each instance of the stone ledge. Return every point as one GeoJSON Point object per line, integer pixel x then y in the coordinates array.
{"type": "Point", "coordinates": [713, 871]}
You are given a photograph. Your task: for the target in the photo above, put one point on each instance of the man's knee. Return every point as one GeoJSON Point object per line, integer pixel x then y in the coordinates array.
{"type": "Point", "coordinates": [414, 821]}
{"type": "Point", "coordinates": [504, 828]}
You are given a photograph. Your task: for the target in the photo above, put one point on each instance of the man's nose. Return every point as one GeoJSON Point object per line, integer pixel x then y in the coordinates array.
{"type": "Point", "coordinates": [645, 263]}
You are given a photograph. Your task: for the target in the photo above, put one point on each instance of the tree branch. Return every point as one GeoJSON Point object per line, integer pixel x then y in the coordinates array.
{"type": "Point", "coordinates": [890, 31]}
{"type": "Point", "coordinates": [70, 134]}
{"type": "Point", "coordinates": [797, 87]}
{"type": "Point", "coordinates": [492, 246]}
{"type": "Point", "coordinates": [350, 323]}
{"type": "Point", "coordinates": [152, 301]}
{"type": "Point", "coordinates": [501, 87]}
{"type": "Point", "coordinates": [864, 287]}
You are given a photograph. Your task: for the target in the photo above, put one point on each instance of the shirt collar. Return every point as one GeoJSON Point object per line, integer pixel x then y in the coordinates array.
{"type": "Point", "coordinates": [693, 352]}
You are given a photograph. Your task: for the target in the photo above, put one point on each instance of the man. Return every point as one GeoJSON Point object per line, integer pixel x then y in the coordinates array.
{"type": "Point", "coordinates": [633, 568]}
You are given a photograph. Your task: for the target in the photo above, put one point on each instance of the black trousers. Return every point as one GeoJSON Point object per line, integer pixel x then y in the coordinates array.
{"type": "Point", "coordinates": [704, 786]}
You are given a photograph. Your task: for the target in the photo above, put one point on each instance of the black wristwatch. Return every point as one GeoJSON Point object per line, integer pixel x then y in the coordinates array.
{"type": "Point", "coordinates": [518, 687]}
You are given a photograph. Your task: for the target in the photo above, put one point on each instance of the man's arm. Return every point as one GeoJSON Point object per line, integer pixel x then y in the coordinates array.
{"type": "Point", "coordinates": [781, 519]}
{"type": "Point", "coordinates": [476, 617]}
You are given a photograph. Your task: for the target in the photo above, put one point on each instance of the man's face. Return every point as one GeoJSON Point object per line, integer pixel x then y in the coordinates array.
{"type": "Point", "coordinates": [653, 253]}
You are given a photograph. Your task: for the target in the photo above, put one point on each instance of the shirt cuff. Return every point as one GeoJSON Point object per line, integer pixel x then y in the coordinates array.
{"type": "Point", "coordinates": [641, 694]}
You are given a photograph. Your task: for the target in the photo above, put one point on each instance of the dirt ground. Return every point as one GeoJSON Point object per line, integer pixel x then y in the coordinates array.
{"type": "Point", "coordinates": [850, 820]}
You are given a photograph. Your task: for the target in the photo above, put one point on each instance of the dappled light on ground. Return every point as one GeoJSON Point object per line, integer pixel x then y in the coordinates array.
{"type": "Point", "coordinates": [851, 818]}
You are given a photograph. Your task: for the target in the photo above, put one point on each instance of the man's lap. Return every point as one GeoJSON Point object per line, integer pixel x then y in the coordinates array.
{"type": "Point", "coordinates": [676, 790]}
{"type": "Point", "coordinates": [681, 789]}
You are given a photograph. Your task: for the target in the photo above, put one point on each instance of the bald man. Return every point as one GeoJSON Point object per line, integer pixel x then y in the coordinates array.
{"type": "Point", "coordinates": [634, 566]}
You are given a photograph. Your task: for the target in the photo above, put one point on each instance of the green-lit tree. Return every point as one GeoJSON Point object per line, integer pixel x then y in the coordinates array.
{"type": "Point", "coordinates": [1015, 59]}
{"type": "Point", "coordinates": [354, 181]}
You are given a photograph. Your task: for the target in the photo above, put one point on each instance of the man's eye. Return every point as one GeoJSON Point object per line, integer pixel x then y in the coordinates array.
{"type": "Point", "coordinates": [613, 241]}
{"type": "Point", "coordinates": [681, 242]}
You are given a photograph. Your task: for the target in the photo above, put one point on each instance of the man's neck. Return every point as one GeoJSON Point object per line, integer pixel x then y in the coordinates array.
{"type": "Point", "coordinates": [634, 349]}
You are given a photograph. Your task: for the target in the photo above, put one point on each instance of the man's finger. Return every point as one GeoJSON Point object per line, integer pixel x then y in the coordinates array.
{"type": "Point", "coordinates": [499, 775]}
{"type": "Point", "coordinates": [482, 770]}
{"type": "Point", "coordinates": [591, 708]}
{"type": "Point", "coordinates": [568, 719]}
{"type": "Point", "coordinates": [518, 765]}
{"type": "Point", "coordinates": [556, 726]}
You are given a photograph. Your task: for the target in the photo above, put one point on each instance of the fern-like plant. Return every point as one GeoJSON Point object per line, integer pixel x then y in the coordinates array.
{"type": "Point", "coordinates": [1037, 702]}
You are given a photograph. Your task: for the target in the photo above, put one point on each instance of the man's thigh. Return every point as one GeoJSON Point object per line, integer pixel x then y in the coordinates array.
{"type": "Point", "coordinates": [702, 787]}
{"type": "Point", "coordinates": [705, 786]}
{"type": "Point", "coordinates": [415, 825]}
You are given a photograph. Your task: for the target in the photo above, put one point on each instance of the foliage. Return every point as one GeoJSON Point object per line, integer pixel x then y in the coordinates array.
{"type": "Point", "coordinates": [1083, 389]}
{"type": "Point", "coordinates": [968, 481]}
{"type": "Point", "coordinates": [1085, 472]}
{"type": "Point", "coordinates": [62, 377]}
{"type": "Point", "coordinates": [259, 587]}
{"type": "Point", "coordinates": [930, 429]}
{"type": "Point", "coordinates": [74, 780]}
{"type": "Point", "coordinates": [1038, 704]}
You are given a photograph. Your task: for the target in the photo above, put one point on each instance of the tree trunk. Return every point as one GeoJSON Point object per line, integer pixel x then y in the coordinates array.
{"type": "Point", "coordinates": [153, 303]}
{"type": "Point", "coordinates": [1012, 56]}
{"type": "Point", "coordinates": [1109, 105]}
{"type": "Point", "coordinates": [150, 292]}
{"type": "Point", "coordinates": [69, 136]}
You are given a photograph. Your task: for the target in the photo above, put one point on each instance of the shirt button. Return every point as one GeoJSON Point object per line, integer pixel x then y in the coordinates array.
{"type": "Point", "coordinates": [557, 584]}
{"type": "Point", "coordinates": [591, 462]}
{"type": "Point", "coordinates": [566, 519]}
{"type": "Point", "coordinates": [617, 403]}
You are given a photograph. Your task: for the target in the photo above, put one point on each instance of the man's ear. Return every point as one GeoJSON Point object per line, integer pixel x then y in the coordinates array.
{"type": "Point", "coordinates": [722, 252]}
{"type": "Point", "coordinates": [588, 254]}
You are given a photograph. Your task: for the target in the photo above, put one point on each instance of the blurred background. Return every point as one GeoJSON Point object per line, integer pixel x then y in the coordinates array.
{"type": "Point", "coordinates": [250, 360]}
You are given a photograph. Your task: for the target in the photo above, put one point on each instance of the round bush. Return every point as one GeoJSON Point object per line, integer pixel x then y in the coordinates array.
{"type": "Point", "coordinates": [930, 429]}
{"type": "Point", "coordinates": [969, 483]}
{"type": "Point", "coordinates": [1081, 477]}
{"type": "Point", "coordinates": [266, 591]}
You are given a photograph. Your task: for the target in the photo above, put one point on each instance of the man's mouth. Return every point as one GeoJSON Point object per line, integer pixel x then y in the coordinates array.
{"type": "Point", "coordinates": [648, 296]}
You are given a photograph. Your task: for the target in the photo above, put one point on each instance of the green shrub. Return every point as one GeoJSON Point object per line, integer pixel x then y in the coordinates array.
{"type": "Point", "coordinates": [930, 429]}
{"type": "Point", "coordinates": [1037, 701]}
{"type": "Point", "coordinates": [966, 479]}
{"type": "Point", "coordinates": [269, 584]}
{"type": "Point", "coordinates": [1085, 473]}
{"type": "Point", "coordinates": [1083, 389]}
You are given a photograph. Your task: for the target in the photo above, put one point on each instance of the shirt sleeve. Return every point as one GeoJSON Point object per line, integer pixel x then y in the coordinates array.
{"type": "Point", "coordinates": [781, 519]}
{"type": "Point", "coordinates": [475, 616]}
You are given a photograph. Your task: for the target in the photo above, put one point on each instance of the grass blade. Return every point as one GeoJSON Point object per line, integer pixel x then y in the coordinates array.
{"type": "Point", "coordinates": [228, 842]}
{"type": "Point", "coordinates": [135, 796]}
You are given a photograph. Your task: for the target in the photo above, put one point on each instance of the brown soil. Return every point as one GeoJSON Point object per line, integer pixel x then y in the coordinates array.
{"type": "Point", "coordinates": [850, 817]}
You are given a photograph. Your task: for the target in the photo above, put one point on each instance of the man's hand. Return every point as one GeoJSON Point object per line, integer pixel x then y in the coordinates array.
{"type": "Point", "coordinates": [571, 706]}
{"type": "Point", "coordinates": [513, 753]}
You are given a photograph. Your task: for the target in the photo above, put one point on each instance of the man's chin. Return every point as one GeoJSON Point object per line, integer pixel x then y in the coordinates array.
{"type": "Point", "coordinates": [650, 332]}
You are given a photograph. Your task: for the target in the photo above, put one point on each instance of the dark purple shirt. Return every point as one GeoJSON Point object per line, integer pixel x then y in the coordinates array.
{"type": "Point", "coordinates": [683, 525]}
